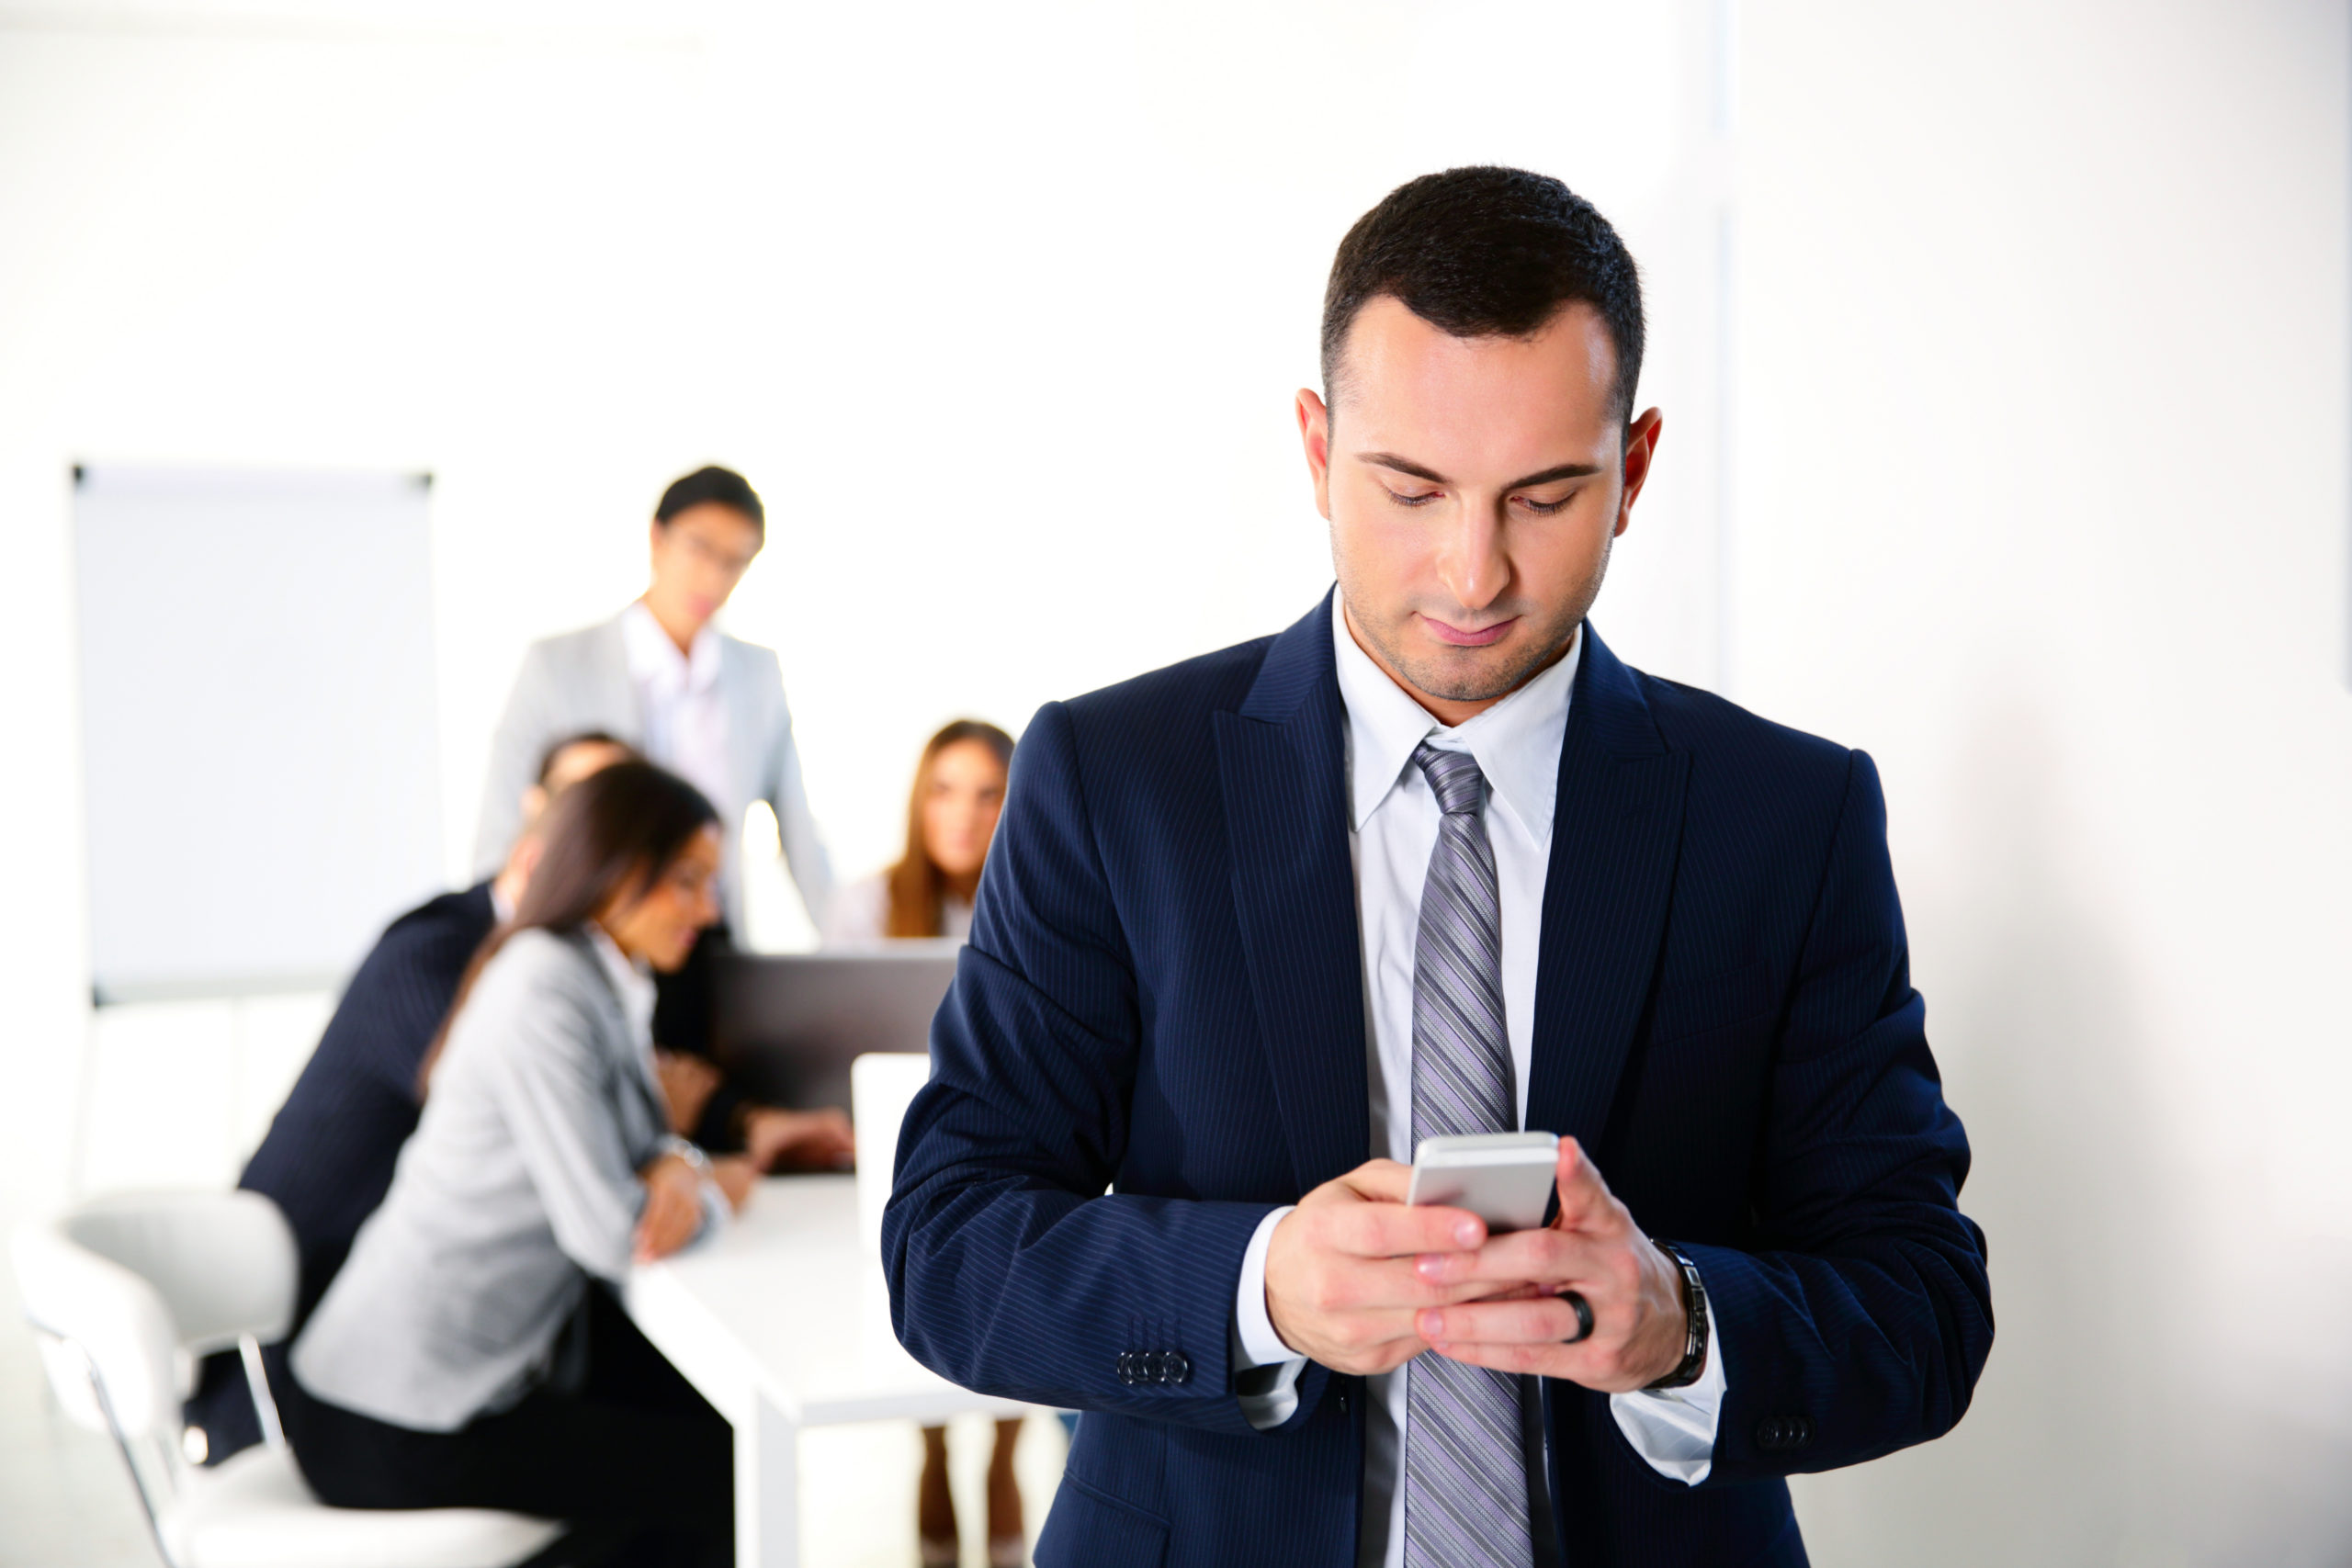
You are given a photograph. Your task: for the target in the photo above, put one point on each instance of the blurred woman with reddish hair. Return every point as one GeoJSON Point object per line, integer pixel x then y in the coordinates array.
{"type": "Point", "coordinates": [951, 817]}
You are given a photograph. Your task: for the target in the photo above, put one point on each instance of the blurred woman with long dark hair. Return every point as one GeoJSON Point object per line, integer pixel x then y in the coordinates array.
{"type": "Point", "coordinates": [448, 1365]}
{"type": "Point", "coordinates": [951, 816]}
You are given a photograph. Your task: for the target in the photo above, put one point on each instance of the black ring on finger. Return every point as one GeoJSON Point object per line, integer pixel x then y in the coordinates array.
{"type": "Point", "coordinates": [1583, 1318]}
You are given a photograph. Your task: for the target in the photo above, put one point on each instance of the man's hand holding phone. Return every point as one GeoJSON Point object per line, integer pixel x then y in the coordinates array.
{"type": "Point", "coordinates": [1361, 1282]}
{"type": "Point", "coordinates": [1343, 1274]}
{"type": "Point", "coordinates": [1593, 1249]}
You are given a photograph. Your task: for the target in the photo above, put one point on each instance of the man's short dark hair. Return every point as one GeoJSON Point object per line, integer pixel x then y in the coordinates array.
{"type": "Point", "coordinates": [586, 738]}
{"type": "Point", "coordinates": [1487, 252]}
{"type": "Point", "coordinates": [724, 486]}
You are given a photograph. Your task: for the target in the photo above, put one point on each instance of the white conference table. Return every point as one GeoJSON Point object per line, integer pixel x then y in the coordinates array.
{"type": "Point", "coordinates": [783, 1322]}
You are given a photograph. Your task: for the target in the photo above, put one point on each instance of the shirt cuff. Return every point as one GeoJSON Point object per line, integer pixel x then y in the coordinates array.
{"type": "Point", "coordinates": [1265, 1370]}
{"type": "Point", "coordinates": [717, 1212]}
{"type": "Point", "coordinates": [1674, 1429]}
{"type": "Point", "coordinates": [1253, 1329]}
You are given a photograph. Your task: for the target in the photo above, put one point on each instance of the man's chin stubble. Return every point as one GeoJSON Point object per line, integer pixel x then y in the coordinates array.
{"type": "Point", "coordinates": [1473, 686]}
{"type": "Point", "coordinates": [1468, 682]}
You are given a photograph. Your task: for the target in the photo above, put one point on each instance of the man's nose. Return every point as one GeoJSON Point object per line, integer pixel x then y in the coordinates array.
{"type": "Point", "coordinates": [1475, 566]}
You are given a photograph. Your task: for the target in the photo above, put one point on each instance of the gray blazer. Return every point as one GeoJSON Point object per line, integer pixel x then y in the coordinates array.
{"type": "Point", "coordinates": [580, 682]}
{"type": "Point", "coordinates": [519, 1182]}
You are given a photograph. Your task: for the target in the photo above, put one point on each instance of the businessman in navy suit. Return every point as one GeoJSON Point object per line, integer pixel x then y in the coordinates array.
{"type": "Point", "coordinates": [1434, 861]}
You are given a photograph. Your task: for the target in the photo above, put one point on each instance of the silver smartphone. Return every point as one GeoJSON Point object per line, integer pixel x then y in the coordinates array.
{"type": "Point", "coordinates": [1505, 1179]}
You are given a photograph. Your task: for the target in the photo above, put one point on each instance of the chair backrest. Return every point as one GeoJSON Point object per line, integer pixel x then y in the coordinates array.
{"type": "Point", "coordinates": [139, 1285]}
{"type": "Point", "coordinates": [83, 1305]}
{"type": "Point", "coordinates": [881, 1086]}
{"type": "Point", "coordinates": [223, 1261]}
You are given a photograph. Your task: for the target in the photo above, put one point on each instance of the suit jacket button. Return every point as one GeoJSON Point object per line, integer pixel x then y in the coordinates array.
{"type": "Point", "coordinates": [1179, 1367]}
{"type": "Point", "coordinates": [1128, 1368]}
{"type": "Point", "coordinates": [1800, 1430]}
{"type": "Point", "coordinates": [1767, 1433]}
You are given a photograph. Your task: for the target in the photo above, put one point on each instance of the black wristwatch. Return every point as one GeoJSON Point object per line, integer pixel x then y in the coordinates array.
{"type": "Point", "coordinates": [1694, 1306]}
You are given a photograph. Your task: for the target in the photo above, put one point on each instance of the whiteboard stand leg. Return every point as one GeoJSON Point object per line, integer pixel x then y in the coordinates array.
{"type": "Point", "coordinates": [767, 1489]}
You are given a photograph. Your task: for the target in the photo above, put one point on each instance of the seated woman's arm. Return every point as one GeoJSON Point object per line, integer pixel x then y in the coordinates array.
{"type": "Point", "coordinates": [549, 1072]}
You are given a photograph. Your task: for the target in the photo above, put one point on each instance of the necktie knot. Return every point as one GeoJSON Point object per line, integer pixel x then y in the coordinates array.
{"type": "Point", "coordinates": [1454, 777]}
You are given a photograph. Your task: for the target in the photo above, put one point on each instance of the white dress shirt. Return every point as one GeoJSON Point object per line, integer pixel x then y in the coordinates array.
{"type": "Point", "coordinates": [1393, 818]}
{"type": "Point", "coordinates": [685, 715]}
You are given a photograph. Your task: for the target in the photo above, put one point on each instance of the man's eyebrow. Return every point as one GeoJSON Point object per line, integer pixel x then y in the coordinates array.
{"type": "Point", "coordinates": [1402, 465]}
{"type": "Point", "coordinates": [1556, 471]}
{"type": "Point", "coordinates": [1407, 465]}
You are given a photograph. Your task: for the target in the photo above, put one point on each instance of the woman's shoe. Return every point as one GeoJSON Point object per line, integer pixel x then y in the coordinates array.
{"type": "Point", "coordinates": [1007, 1552]}
{"type": "Point", "coordinates": [937, 1553]}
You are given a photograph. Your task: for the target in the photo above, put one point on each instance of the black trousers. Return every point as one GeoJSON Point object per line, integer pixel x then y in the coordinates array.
{"type": "Point", "coordinates": [636, 1462]}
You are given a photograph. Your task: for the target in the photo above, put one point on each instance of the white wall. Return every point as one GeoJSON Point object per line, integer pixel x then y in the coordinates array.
{"type": "Point", "coordinates": [2042, 391]}
{"type": "Point", "coordinates": [1001, 308]}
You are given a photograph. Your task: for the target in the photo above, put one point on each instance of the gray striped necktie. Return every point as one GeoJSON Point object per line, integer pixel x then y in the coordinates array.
{"type": "Point", "coordinates": [1465, 1472]}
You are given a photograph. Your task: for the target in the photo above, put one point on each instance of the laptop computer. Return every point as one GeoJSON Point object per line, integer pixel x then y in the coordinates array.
{"type": "Point", "coordinates": [787, 1026]}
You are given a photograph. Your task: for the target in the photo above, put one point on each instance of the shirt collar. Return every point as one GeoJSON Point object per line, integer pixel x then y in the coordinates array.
{"type": "Point", "coordinates": [632, 983]}
{"type": "Point", "coordinates": [652, 657]}
{"type": "Point", "coordinates": [1516, 742]}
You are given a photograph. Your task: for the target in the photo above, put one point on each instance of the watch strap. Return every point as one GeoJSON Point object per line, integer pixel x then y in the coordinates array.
{"type": "Point", "coordinates": [1694, 1306]}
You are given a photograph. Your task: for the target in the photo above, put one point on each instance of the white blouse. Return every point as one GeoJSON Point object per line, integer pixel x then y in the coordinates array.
{"type": "Point", "coordinates": [861, 912]}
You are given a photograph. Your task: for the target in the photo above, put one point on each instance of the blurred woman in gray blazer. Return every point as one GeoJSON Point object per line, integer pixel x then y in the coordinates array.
{"type": "Point", "coordinates": [445, 1366]}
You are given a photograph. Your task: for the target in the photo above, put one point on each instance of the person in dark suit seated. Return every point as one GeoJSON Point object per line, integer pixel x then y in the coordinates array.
{"type": "Point", "coordinates": [446, 1367]}
{"type": "Point", "coordinates": [1435, 861]}
{"type": "Point", "coordinates": [327, 1158]}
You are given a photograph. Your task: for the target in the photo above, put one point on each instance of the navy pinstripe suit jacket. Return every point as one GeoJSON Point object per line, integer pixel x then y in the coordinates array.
{"type": "Point", "coordinates": [1164, 994]}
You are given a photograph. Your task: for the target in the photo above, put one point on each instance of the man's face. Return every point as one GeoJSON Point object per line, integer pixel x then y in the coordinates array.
{"type": "Point", "coordinates": [573, 762]}
{"type": "Point", "coordinates": [569, 765]}
{"type": "Point", "coordinates": [698, 558]}
{"type": "Point", "coordinates": [1473, 486]}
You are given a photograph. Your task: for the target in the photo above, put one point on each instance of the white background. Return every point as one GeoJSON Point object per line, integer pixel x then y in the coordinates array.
{"type": "Point", "coordinates": [2034, 484]}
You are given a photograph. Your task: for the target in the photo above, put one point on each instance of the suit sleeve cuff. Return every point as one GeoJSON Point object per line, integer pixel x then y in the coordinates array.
{"type": "Point", "coordinates": [1674, 1429]}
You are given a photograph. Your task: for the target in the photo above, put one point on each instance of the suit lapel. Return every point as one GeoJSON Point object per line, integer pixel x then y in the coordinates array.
{"type": "Point", "coordinates": [611, 682]}
{"type": "Point", "coordinates": [1282, 768]}
{"type": "Point", "coordinates": [1616, 830]}
{"type": "Point", "coordinates": [744, 730]}
{"type": "Point", "coordinates": [634, 1067]}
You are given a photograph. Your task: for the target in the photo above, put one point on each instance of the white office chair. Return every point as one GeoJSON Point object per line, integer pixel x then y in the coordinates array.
{"type": "Point", "coordinates": [124, 1294]}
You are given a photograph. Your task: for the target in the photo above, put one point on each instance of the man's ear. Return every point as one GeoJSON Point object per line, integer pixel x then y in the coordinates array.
{"type": "Point", "coordinates": [522, 861]}
{"type": "Point", "coordinates": [534, 800]}
{"type": "Point", "coordinates": [1641, 447]}
{"type": "Point", "coordinates": [1314, 435]}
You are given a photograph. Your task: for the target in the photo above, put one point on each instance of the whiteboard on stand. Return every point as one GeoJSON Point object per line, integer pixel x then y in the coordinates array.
{"type": "Point", "coordinates": [260, 740]}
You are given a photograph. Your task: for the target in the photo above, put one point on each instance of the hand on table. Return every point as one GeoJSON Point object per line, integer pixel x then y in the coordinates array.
{"type": "Point", "coordinates": [687, 1083]}
{"type": "Point", "coordinates": [1594, 1248]}
{"type": "Point", "coordinates": [736, 1176]}
{"type": "Point", "coordinates": [797, 1140]}
{"type": "Point", "coordinates": [672, 1211]}
{"type": "Point", "coordinates": [1342, 1276]}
